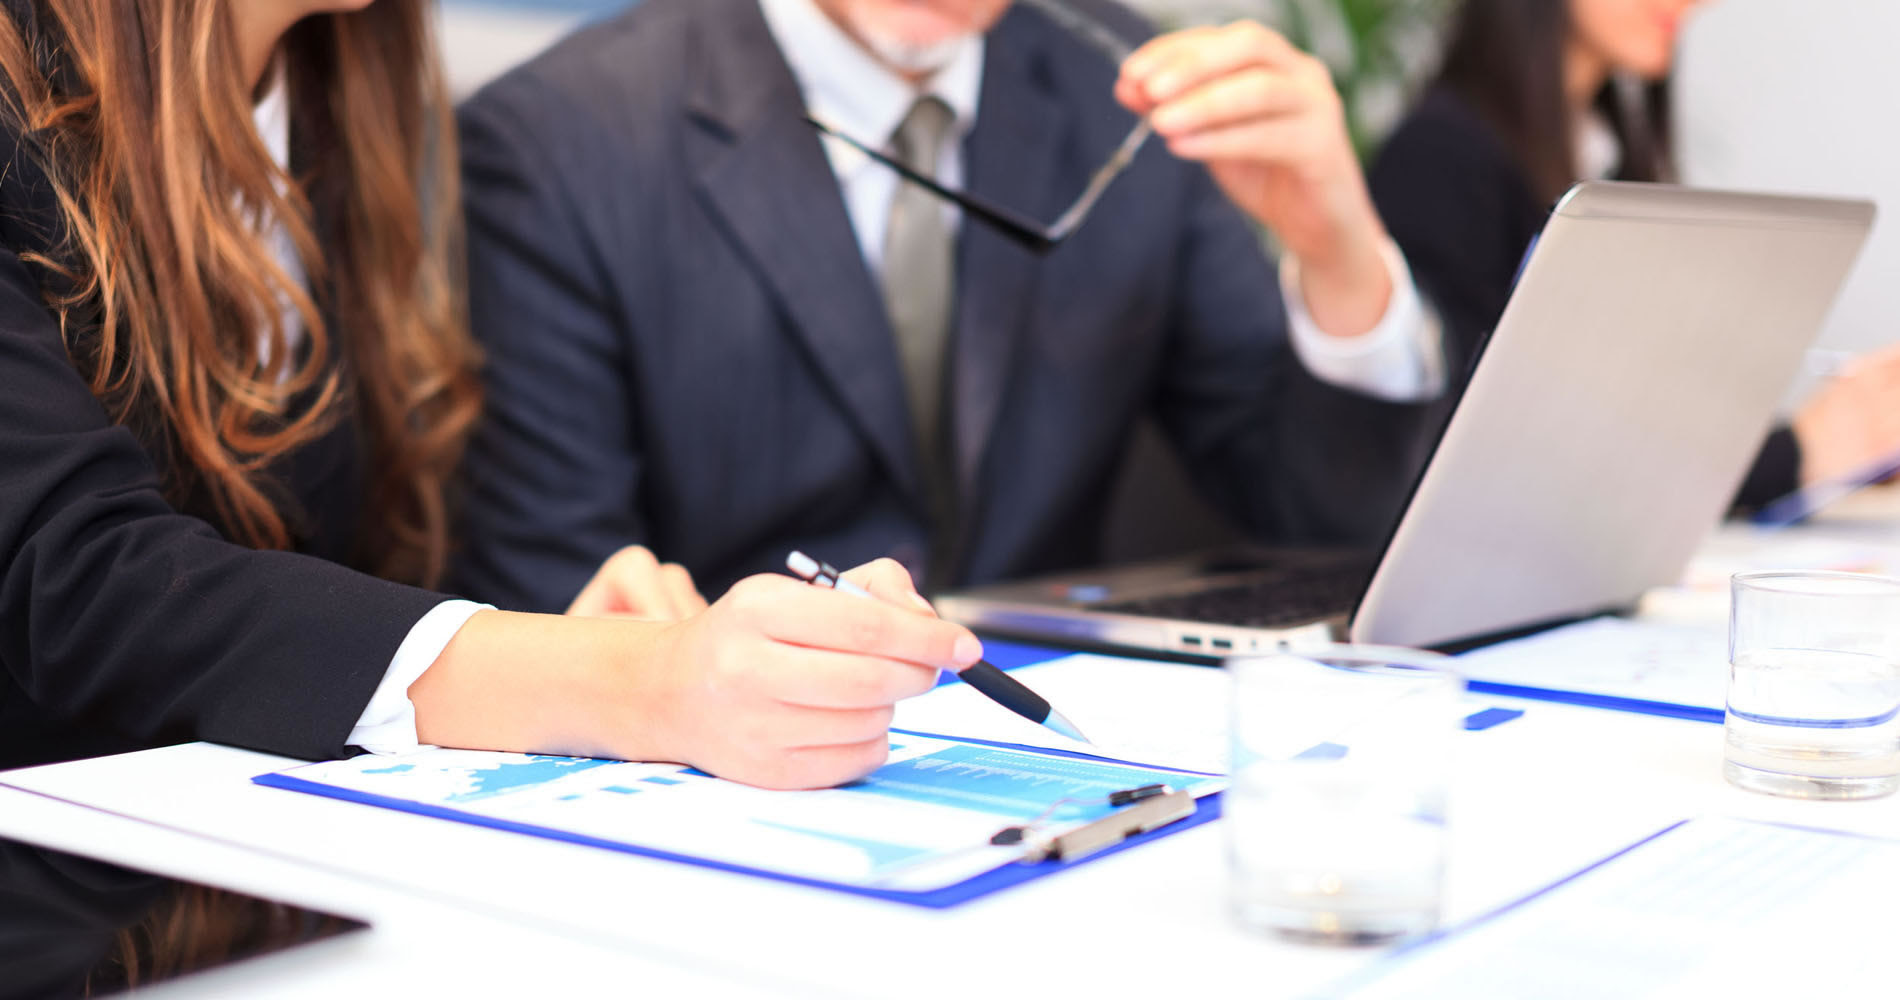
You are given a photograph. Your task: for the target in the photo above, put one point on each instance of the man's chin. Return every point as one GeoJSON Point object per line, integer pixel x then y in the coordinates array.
{"type": "Point", "coordinates": [911, 39]}
{"type": "Point", "coordinates": [912, 57]}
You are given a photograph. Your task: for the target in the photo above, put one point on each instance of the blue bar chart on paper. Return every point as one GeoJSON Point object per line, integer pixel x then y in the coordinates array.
{"type": "Point", "coordinates": [1001, 782]}
{"type": "Point", "coordinates": [922, 821]}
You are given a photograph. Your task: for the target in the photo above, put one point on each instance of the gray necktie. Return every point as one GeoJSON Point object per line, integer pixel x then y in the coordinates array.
{"type": "Point", "coordinates": [919, 275]}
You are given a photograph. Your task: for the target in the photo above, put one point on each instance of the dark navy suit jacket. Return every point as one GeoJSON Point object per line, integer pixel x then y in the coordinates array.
{"type": "Point", "coordinates": [687, 350]}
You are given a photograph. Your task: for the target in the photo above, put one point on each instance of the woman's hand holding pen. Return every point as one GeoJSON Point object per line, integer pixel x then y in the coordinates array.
{"type": "Point", "coordinates": [778, 684]}
{"type": "Point", "coordinates": [785, 685]}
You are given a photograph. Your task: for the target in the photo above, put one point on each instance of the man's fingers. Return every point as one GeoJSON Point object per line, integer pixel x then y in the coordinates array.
{"type": "Point", "coordinates": [1264, 141]}
{"type": "Point", "coordinates": [1174, 64]}
{"type": "Point", "coordinates": [1249, 95]}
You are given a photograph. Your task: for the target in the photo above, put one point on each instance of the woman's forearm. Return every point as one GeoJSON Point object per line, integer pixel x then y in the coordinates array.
{"type": "Point", "coordinates": [542, 683]}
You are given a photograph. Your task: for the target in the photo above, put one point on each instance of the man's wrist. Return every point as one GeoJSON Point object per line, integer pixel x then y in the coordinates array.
{"type": "Point", "coordinates": [1348, 290]}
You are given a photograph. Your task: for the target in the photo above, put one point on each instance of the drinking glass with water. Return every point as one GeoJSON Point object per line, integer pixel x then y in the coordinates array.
{"type": "Point", "coordinates": [1335, 812]}
{"type": "Point", "coordinates": [1814, 685]}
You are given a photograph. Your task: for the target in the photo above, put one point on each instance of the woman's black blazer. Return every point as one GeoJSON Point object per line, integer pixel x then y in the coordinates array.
{"type": "Point", "coordinates": [1463, 212]}
{"type": "Point", "coordinates": [127, 622]}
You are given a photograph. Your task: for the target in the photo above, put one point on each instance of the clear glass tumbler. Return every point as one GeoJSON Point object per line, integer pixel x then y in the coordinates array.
{"type": "Point", "coordinates": [1335, 815]}
{"type": "Point", "coordinates": [1814, 685]}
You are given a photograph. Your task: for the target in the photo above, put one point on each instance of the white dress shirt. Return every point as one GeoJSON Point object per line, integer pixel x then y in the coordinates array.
{"type": "Point", "coordinates": [388, 723]}
{"type": "Point", "coordinates": [844, 86]}
{"type": "Point", "coordinates": [1598, 151]}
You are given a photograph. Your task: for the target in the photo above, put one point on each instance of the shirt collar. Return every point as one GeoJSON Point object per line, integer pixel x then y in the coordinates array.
{"type": "Point", "coordinates": [272, 115]}
{"type": "Point", "coordinates": [845, 87]}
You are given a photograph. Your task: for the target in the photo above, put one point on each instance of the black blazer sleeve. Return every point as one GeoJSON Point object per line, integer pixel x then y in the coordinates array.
{"type": "Point", "coordinates": [554, 471]}
{"type": "Point", "coordinates": [119, 615]}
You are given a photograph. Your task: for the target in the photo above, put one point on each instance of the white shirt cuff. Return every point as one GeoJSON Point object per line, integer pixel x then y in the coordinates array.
{"type": "Point", "coordinates": [388, 724]}
{"type": "Point", "coordinates": [1400, 360]}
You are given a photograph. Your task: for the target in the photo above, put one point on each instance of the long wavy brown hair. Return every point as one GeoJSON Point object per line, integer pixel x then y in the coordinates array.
{"type": "Point", "coordinates": [166, 286]}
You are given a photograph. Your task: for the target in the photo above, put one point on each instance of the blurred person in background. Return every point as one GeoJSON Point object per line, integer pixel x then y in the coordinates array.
{"type": "Point", "coordinates": [714, 336]}
{"type": "Point", "coordinates": [1534, 96]}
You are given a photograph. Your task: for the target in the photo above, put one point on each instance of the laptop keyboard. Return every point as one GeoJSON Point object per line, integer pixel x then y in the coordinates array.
{"type": "Point", "coordinates": [1263, 601]}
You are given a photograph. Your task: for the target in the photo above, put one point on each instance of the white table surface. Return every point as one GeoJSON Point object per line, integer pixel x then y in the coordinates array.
{"type": "Point", "coordinates": [1534, 799]}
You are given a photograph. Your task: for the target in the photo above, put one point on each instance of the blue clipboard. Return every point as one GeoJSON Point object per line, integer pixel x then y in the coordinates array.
{"type": "Point", "coordinates": [1207, 809]}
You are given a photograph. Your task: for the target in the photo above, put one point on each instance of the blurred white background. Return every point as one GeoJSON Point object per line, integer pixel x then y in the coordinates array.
{"type": "Point", "coordinates": [1804, 97]}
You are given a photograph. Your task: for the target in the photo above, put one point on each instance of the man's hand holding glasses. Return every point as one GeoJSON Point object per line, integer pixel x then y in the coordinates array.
{"type": "Point", "coordinates": [1266, 120]}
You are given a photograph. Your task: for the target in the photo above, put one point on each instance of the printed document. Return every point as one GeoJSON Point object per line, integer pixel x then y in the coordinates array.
{"type": "Point", "coordinates": [922, 821]}
{"type": "Point", "coordinates": [1710, 908]}
{"type": "Point", "coordinates": [1614, 657]}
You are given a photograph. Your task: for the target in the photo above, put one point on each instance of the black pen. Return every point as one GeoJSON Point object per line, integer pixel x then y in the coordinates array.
{"type": "Point", "coordinates": [994, 684]}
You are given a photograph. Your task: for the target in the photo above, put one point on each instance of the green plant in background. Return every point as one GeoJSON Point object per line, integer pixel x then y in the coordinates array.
{"type": "Point", "coordinates": [1378, 50]}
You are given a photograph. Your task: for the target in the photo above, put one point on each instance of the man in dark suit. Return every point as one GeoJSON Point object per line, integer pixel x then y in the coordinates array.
{"type": "Point", "coordinates": [715, 338]}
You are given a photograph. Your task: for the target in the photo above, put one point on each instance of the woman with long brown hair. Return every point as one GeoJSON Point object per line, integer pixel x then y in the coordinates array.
{"type": "Point", "coordinates": [234, 385]}
{"type": "Point", "coordinates": [1533, 96]}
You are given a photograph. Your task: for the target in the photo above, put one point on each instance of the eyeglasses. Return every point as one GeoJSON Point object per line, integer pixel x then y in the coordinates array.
{"type": "Point", "coordinates": [1035, 236]}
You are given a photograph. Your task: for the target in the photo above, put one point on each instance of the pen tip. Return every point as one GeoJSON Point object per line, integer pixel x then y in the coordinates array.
{"type": "Point", "coordinates": [1061, 724]}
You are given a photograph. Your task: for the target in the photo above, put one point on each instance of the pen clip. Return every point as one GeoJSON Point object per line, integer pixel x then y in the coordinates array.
{"type": "Point", "coordinates": [812, 570]}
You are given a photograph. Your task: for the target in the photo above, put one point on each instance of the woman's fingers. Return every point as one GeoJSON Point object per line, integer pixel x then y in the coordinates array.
{"type": "Point", "coordinates": [792, 612]}
{"type": "Point", "coordinates": [633, 583]}
{"type": "Point", "coordinates": [889, 581]}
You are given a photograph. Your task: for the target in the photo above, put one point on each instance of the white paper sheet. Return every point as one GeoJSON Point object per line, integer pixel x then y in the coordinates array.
{"type": "Point", "coordinates": [1713, 908]}
{"type": "Point", "coordinates": [1145, 711]}
{"type": "Point", "coordinates": [1163, 714]}
{"type": "Point", "coordinates": [1678, 664]}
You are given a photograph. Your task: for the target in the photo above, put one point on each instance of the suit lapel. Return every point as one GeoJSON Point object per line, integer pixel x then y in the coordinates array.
{"type": "Point", "coordinates": [761, 170]}
{"type": "Point", "coordinates": [1012, 159]}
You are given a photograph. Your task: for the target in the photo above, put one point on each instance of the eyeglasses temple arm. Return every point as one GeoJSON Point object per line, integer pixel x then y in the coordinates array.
{"type": "Point", "coordinates": [1071, 220]}
{"type": "Point", "coordinates": [1086, 28]}
{"type": "Point", "coordinates": [1030, 234]}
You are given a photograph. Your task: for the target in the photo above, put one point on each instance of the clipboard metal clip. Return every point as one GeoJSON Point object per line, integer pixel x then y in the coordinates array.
{"type": "Point", "coordinates": [1098, 835]}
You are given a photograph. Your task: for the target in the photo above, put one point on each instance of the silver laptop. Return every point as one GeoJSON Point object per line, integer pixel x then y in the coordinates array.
{"type": "Point", "coordinates": [1615, 409]}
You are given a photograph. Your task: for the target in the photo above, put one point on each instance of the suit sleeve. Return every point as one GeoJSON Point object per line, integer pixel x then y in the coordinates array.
{"type": "Point", "coordinates": [118, 612]}
{"type": "Point", "coordinates": [553, 476]}
{"type": "Point", "coordinates": [1291, 458]}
